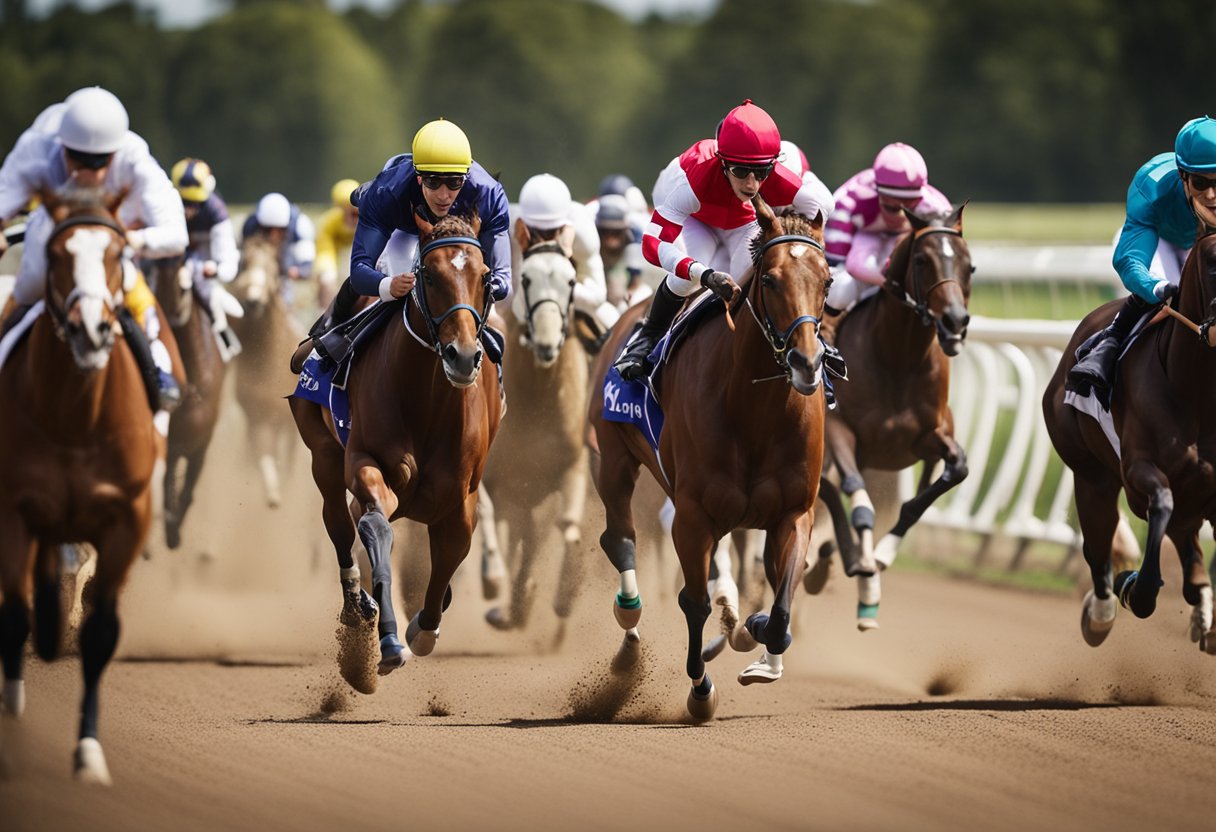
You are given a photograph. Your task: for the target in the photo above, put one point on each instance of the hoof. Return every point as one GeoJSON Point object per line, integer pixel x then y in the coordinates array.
{"type": "Point", "coordinates": [766, 669]}
{"type": "Point", "coordinates": [816, 577]}
{"type": "Point", "coordinates": [14, 697]}
{"type": "Point", "coordinates": [1201, 615]}
{"type": "Point", "coordinates": [741, 640]}
{"type": "Point", "coordinates": [1092, 630]}
{"type": "Point", "coordinates": [714, 649]}
{"type": "Point", "coordinates": [627, 611]}
{"type": "Point", "coordinates": [628, 653]}
{"type": "Point", "coordinates": [392, 655]}
{"type": "Point", "coordinates": [358, 608]}
{"type": "Point", "coordinates": [703, 707]}
{"type": "Point", "coordinates": [173, 535]}
{"type": "Point", "coordinates": [867, 617]}
{"type": "Point", "coordinates": [90, 763]}
{"type": "Point", "coordinates": [498, 619]}
{"type": "Point", "coordinates": [491, 587]}
{"type": "Point", "coordinates": [421, 641]}
{"type": "Point", "coordinates": [1208, 643]}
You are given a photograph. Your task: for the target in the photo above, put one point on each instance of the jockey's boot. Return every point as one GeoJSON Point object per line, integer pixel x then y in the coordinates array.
{"type": "Point", "coordinates": [162, 388]}
{"type": "Point", "coordinates": [634, 362]}
{"type": "Point", "coordinates": [833, 361]}
{"type": "Point", "coordinates": [1096, 370]}
{"type": "Point", "coordinates": [338, 311]}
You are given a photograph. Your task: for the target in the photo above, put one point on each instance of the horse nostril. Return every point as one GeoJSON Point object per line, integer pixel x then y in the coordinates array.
{"type": "Point", "coordinates": [450, 353]}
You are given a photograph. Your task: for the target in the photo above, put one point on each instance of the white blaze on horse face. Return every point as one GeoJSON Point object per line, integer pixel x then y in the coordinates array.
{"type": "Point", "coordinates": [257, 285]}
{"type": "Point", "coordinates": [947, 249]}
{"type": "Point", "coordinates": [460, 260]}
{"type": "Point", "coordinates": [88, 249]}
{"type": "Point", "coordinates": [797, 250]}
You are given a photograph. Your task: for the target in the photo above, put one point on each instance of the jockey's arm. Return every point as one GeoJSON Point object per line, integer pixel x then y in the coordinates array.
{"type": "Point", "coordinates": [1133, 256]}
{"type": "Point", "coordinates": [159, 209]}
{"type": "Point", "coordinates": [813, 196]}
{"type": "Point", "coordinates": [371, 238]}
{"type": "Point", "coordinates": [659, 237]}
{"type": "Point", "coordinates": [495, 238]}
{"type": "Point", "coordinates": [866, 259]}
{"type": "Point", "coordinates": [19, 176]}
{"type": "Point", "coordinates": [591, 287]}
{"type": "Point", "coordinates": [224, 251]}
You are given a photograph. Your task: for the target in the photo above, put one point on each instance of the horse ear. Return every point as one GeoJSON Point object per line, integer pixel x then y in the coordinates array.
{"type": "Point", "coordinates": [955, 220]}
{"type": "Point", "coordinates": [565, 239]}
{"type": "Point", "coordinates": [475, 221]}
{"type": "Point", "coordinates": [918, 222]}
{"type": "Point", "coordinates": [522, 235]}
{"type": "Point", "coordinates": [425, 228]}
{"type": "Point", "coordinates": [53, 204]}
{"type": "Point", "coordinates": [764, 215]}
{"type": "Point", "coordinates": [112, 204]}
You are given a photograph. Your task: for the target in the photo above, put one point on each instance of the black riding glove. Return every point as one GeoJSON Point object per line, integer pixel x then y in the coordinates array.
{"type": "Point", "coordinates": [721, 284]}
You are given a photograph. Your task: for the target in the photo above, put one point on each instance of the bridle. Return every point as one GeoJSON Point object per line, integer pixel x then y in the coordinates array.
{"type": "Point", "coordinates": [548, 246]}
{"type": "Point", "coordinates": [779, 339]}
{"type": "Point", "coordinates": [433, 322]}
{"type": "Point", "coordinates": [58, 305]}
{"type": "Point", "coordinates": [919, 302]}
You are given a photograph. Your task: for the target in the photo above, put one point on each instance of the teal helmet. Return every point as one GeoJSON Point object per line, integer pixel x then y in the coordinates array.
{"type": "Point", "coordinates": [1195, 148]}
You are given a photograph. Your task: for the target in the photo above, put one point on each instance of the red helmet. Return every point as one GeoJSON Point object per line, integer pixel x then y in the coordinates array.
{"type": "Point", "coordinates": [748, 134]}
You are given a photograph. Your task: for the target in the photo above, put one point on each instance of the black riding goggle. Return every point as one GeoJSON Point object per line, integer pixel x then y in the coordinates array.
{"type": "Point", "coordinates": [761, 172]}
{"type": "Point", "coordinates": [91, 161]}
{"type": "Point", "coordinates": [451, 181]}
{"type": "Point", "coordinates": [1200, 183]}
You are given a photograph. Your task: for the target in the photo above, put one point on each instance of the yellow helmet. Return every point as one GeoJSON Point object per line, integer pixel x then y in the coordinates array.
{"type": "Point", "coordinates": [193, 180]}
{"type": "Point", "coordinates": [341, 191]}
{"type": "Point", "coordinates": [442, 147]}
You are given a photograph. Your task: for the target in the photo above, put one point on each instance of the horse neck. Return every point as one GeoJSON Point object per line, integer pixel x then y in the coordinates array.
{"type": "Point", "coordinates": [751, 358]}
{"type": "Point", "coordinates": [65, 403]}
{"type": "Point", "coordinates": [1189, 363]}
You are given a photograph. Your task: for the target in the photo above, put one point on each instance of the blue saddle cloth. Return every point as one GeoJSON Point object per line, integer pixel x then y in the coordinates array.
{"type": "Point", "coordinates": [324, 383]}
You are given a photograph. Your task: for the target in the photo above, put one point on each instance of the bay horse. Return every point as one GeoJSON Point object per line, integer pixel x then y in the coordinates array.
{"type": "Point", "coordinates": [423, 418]}
{"type": "Point", "coordinates": [1161, 411]}
{"type": "Point", "coordinates": [893, 410]}
{"type": "Point", "coordinates": [540, 451]}
{"type": "Point", "coordinates": [77, 447]}
{"type": "Point", "coordinates": [193, 423]}
{"type": "Point", "coordinates": [741, 446]}
{"type": "Point", "coordinates": [267, 332]}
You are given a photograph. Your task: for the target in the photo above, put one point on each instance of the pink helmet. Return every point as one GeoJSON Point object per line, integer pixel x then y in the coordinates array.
{"type": "Point", "coordinates": [900, 172]}
{"type": "Point", "coordinates": [748, 135]}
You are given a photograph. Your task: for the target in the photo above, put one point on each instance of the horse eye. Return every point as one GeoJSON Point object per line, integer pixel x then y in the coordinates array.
{"type": "Point", "coordinates": [973, 269]}
{"type": "Point", "coordinates": [527, 281]}
{"type": "Point", "coordinates": [768, 281]}
{"type": "Point", "coordinates": [571, 281]}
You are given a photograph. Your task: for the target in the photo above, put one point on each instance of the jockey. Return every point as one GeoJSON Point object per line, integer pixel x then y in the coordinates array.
{"type": "Point", "coordinates": [291, 230]}
{"type": "Point", "coordinates": [335, 234]}
{"type": "Point", "coordinates": [211, 255]}
{"type": "Point", "coordinates": [84, 143]}
{"type": "Point", "coordinates": [1168, 194]}
{"type": "Point", "coordinates": [704, 224]}
{"type": "Point", "coordinates": [868, 222]}
{"type": "Point", "coordinates": [621, 249]}
{"type": "Point", "coordinates": [438, 177]}
{"type": "Point", "coordinates": [545, 205]}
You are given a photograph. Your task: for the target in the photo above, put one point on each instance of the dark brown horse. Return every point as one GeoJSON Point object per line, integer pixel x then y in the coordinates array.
{"type": "Point", "coordinates": [894, 410]}
{"type": "Point", "coordinates": [423, 416]}
{"type": "Point", "coordinates": [1162, 410]}
{"type": "Point", "coordinates": [77, 447]}
{"type": "Point", "coordinates": [267, 332]}
{"type": "Point", "coordinates": [193, 423]}
{"type": "Point", "coordinates": [742, 445]}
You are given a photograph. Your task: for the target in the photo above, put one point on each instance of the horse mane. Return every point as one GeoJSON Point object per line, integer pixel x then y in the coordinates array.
{"type": "Point", "coordinates": [787, 224]}
{"type": "Point", "coordinates": [452, 226]}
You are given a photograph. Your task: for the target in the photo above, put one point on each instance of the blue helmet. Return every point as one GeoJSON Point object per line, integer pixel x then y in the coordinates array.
{"type": "Point", "coordinates": [1195, 148]}
{"type": "Point", "coordinates": [615, 183]}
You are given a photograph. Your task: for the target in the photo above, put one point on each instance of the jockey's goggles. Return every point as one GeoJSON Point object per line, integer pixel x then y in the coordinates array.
{"type": "Point", "coordinates": [1200, 183]}
{"type": "Point", "coordinates": [761, 172]}
{"type": "Point", "coordinates": [451, 181]}
{"type": "Point", "coordinates": [92, 161]}
{"type": "Point", "coordinates": [897, 205]}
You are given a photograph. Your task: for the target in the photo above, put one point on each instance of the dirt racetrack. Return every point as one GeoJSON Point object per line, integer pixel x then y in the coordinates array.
{"type": "Point", "coordinates": [972, 708]}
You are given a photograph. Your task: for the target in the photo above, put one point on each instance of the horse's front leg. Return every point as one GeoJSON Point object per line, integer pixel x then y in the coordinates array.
{"type": "Point", "coordinates": [493, 567]}
{"type": "Point", "coordinates": [574, 501]}
{"type": "Point", "coordinates": [16, 562]}
{"type": "Point", "coordinates": [1196, 589]}
{"type": "Point", "coordinates": [694, 540]}
{"type": "Point", "coordinates": [785, 551]}
{"type": "Point", "coordinates": [378, 503]}
{"type": "Point", "coordinates": [940, 446]}
{"type": "Point", "coordinates": [450, 542]}
{"type": "Point", "coordinates": [1137, 590]}
{"type": "Point", "coordinates": [616, 478]}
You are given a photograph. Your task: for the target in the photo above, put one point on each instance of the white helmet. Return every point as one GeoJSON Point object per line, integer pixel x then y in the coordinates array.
{"type": "Point", "coordinates": [274, 211]}
{"type": "Point", "coordinates": [94, 122]}
{"type": "Point", "coordinates": [544, 202]}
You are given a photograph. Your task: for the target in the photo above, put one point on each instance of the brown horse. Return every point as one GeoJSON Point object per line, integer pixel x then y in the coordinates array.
{"type": "Point", "coordinates": [1161, 411]}
{"type": "Point", "coordinates": [193, 423]}
{"type": "Point", "coordinates": [894, 410]}
{"type": "Point", "coordinates": [268, 331]}
{"type": "Point", "coordinates": [742, 445]}
{"type": "Point", "coordinates": [77, 447]}
{"type": "Point", "coordinates": [423, 416]}
{"type": "Point", "coordinates": [540, 452]}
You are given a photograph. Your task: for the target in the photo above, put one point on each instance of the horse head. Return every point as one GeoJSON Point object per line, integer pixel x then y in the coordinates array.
{"type": "Point", "coordinates": [1197, 288]}
{"type": "Point", "coordinates": [545, 289]}
{"type": "Point", "coordinates": [453, 277]}
{"type": "Point", "coordinates": [930, 271]}
{"type": "Point", "coordinates": [85, 272]}
{"type": "Point", "coordinates": [789, 285]}
{"type": "Point", "coordinates": [257, 280]}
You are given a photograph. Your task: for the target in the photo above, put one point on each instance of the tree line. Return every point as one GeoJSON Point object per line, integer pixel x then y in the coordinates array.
{"type": "Point", "coordinates": [1038, 100]}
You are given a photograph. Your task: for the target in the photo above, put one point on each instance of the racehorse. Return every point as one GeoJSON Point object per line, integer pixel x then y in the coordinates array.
{"type": "Point", "coordinates": [267, 332]}
{"type": "Point", "coordinates": [423, 417]}
{"type": "Point", "coordinates": [741, 445]}
{"type": "Point", "coordinates": [193, 423]}
{"type": "Point", "coordinates": [894, 410]}
{"type": "Point", "coordinates": [1166, 454]}
{"type": "Point", "coordinates": [77, 447]}
{"type": "Point", "coordinates": [540, 452]}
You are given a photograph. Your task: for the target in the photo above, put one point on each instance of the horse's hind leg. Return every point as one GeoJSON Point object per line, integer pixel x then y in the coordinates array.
{"type": "Point", "coordinates": [493, 567]}
{"type": "Point", "coordinates": [816, 577]}
{"type": "Point", "coordinates": [16, 560]}
{"type": "Point", "coordinates": [450, 542]}
{"type": "Point", "coordinates": [1137, 590]}
{"type": "Point", "coordinates": [1098, 515]}
{"type": "Point", "coordinates": [1196, 587]}
{"type": "Point", "coordinates": [171, 495]}
{"type": "Point", "coordinates": [953, 473]}
{"type": "Point", "coordinates": [694, 541]}
{"type": "Point", "coordinates": [48, 609]}
{"type": "Point", "coordinates": [784, 560]}
{"type": "Point", "coordinates": [865, 568]}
